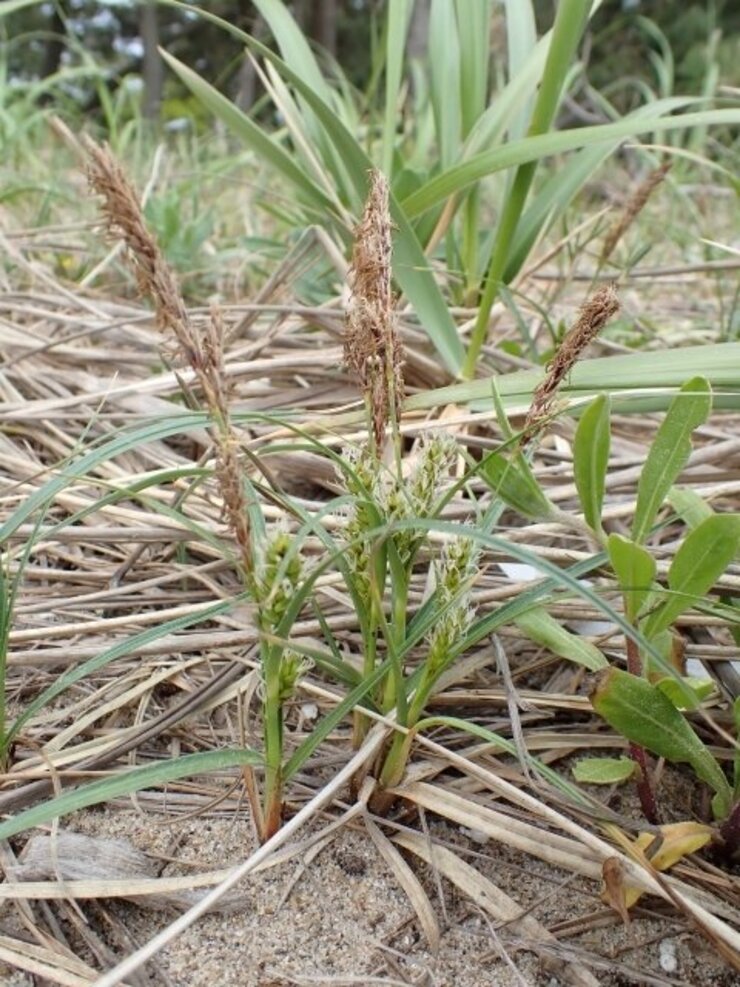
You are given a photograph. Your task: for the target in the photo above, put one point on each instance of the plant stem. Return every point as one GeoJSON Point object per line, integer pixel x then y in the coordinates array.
{"type": "Point", "coordinates": [730, 833]}
{"type": "Point", "coordinates": [645, 791]}
{"type": "Point", "coordinates": [273, 732]}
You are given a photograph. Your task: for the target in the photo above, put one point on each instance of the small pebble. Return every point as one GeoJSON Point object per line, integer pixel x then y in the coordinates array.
{"type": "Point", "coordinates": [475, 835]}
{"type": "Point", "coordinates": [667, 953]}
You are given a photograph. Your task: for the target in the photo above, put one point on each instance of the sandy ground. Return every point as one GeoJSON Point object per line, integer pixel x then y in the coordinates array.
{"type": "Point", "coordinates": [341, 918]}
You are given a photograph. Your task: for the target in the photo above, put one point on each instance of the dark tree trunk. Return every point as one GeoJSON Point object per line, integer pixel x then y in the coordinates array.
{"type": "Point", "coordinates": [324, 25]}
{"type": "Point", "coordinates": [54, 47]}
{"type": "Point", "coordinates": [152, 69]}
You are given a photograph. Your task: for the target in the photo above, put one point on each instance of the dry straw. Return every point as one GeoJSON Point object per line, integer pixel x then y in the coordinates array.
{"type": "Point", "coordinates": [372, 347]}
{"type": "Point", "coordinates": [633, 208]}
{"type": "Point", "coordinates": [201, 350]}
{"type": "Point", "coordinates": [593, 316]}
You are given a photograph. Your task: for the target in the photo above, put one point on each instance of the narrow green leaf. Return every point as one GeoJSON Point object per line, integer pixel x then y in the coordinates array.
{"type": "Point", "coordinates": [411, 268]}
{"type": "Point", "coordinates": [644, 715]}
{"type": "Point", "coordinates": [571, 18]}
{"type": "Point", "coordinates": [635, 569]}
{"type": "Point", "coordinates": [474, 27]}
{"type": "Point", "coordinates": [444, 79]}
{"type": "Point", "coordinates": [650, 384]}
{"type": "Point", "coordinates": [513, 481]}
{"type": "Point", "coordinates": [603, 770]}
{"type": "Point", "coordinates": [118, 650]}
{"type": "Point", "coordinates": [126, 782]}
{"type": "Point", "coordinates": [590, 459]}
{"type": "Point", "coordinates": [669, 452]}
{"type": "Point", "coordinates": [472, 169]}
{"type": "Point", "coordinates": [399, 13]}
{"type": "Point", "coordinates": [253, 136]}
{"type": "Point", "coordinates": [702, 557]}
{"type": "Point", "coordinates": [543, 629]}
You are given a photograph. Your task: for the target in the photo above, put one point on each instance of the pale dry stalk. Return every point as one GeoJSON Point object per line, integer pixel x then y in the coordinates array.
{"type": "Point", "coordinates": [593, 316]}
{"type": "Point", "coordinates": [635, 204]}
{"type": "Point", "coordinates": [372, 347]}
{"type": "Point", "coordinates": [202, 351]}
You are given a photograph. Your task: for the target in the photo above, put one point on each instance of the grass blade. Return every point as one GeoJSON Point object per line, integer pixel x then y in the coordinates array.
{"type": "Point", "coordinates": [125, 783]}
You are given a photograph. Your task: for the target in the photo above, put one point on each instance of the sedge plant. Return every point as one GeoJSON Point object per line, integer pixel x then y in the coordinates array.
{"type": "Point", "coordinates": [488, 145]}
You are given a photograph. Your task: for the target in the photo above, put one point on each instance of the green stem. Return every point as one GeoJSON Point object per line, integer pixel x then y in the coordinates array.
{"type": "Point", "coordinates": [645, 790]}
{"type": "Point", "coordinates": [273, 739]}
{"type": "Point", "coordinates": [395, 694]}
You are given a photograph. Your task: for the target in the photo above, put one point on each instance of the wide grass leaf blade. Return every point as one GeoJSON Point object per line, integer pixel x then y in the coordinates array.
{"type": "Point", "coordinates": [644, 715]}
{"type": "Point", "coordinates": [669, 452]}
{"type": "Point", "coordinates": [125, 783]}
{"type": "Point", "coordinates": [590, 459]}
{"type": "Point", "coordinates": [700, 560]}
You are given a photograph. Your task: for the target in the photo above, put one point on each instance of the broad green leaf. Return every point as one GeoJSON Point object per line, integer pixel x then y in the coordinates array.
{"type": "Point", "coordinates": [590, 459]}
{"type": "Point", "coordinates": [702, 557]}
{"type": "Point", "coordinates": [635, 570]}
{"type": "Point", "coordinates": [604, 770]}
{"type": "Point", "coordinates": [644, 715]}
{"type": "Point", "coordinates": [543, 629]}
{"type": "Point", "coordinates": [691, 507]}
{"type": "Point", "coordinates": [669, 452]}
{"type": "Point", "coordinates": [126, 782]}
{"type": "Point", "coordinates": [702, 688]}
{"type": "Point", "coordinates": [513, 481]}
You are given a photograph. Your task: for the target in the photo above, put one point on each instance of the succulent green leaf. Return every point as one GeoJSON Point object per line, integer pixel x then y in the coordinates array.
{"type": "Point", "coordinates": [643, 714]}
{"type": "Point", "coordinates": [669, 452]}
{"type": "Point", "coordinates": [700, 560]}
{"type": "Point", "coordinates": [603, 770]}
{"type": "Point", "coordinates": [635, 571]}
{"type": "Point", "coordinates": [543, 629]}
{"type": "Point", "coordinates": [590, 459]}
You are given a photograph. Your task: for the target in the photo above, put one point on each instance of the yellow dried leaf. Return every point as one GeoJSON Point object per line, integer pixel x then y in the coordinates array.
{"type": "Point", "coordinates": [666, 847]}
